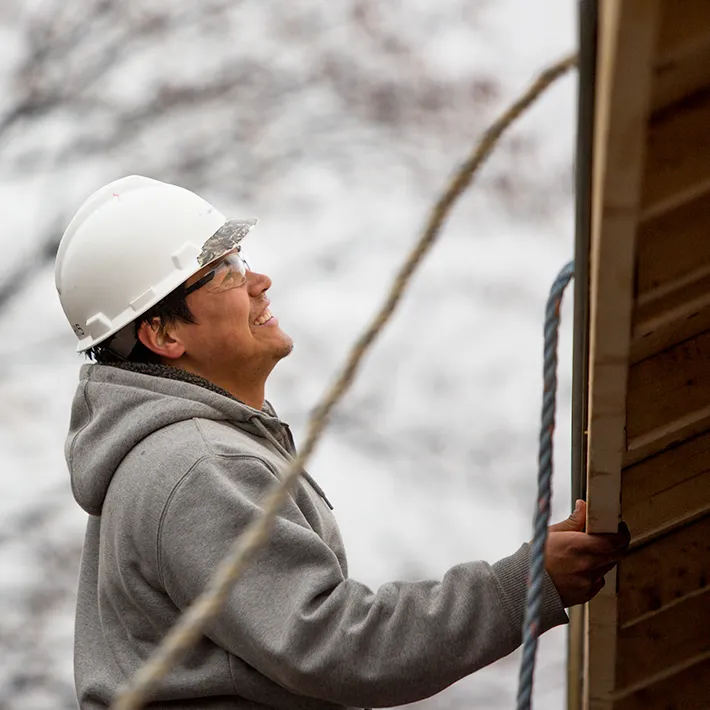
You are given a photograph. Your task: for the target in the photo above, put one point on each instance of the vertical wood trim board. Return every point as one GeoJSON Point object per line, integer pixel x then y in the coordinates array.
{"type": "Point", "coordinates": [627, 39]}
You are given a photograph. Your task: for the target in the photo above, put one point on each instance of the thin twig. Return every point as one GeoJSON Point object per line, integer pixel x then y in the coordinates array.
{"type": "Point", "coordinates": [190, 626]}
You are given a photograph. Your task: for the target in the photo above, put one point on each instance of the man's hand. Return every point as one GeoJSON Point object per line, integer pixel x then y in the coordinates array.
{"type": "Point", "coordinates": [577, 561]}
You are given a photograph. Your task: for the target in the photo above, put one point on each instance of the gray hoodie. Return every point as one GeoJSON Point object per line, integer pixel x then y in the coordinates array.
{"type": "Point", "coordinates": [171, 471]}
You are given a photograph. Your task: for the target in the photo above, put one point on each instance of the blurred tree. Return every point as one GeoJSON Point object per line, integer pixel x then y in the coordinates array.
{"type": "Point", "coordinates": [236, 93]}
{"type": "Point", "coordinates": [225, 95]}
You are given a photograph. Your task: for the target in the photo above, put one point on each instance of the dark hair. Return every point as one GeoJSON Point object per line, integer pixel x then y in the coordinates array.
{"type": "Point", "coordinates": [171, 309]}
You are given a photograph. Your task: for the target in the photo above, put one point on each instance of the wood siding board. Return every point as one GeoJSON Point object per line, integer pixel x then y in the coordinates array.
{"type": "Point", "coordinates": [659, 574]}
{"type": "Point", "coordinates": [666, 470]}
{"type": "Point", "coordinates": [660, 514]}
{"type": "Point", "coordinates": [668, 334]}
{"type": "Point", "coordinates": [668, 489]}
{"type": "Point", "coordinates": [656, 441]}
{"type": "Point", "coordinates": [676, 78]}
{"type": "Point", "coordinates": [686, 301]}
{"type": "Point", "coordinates": [672, 637]}
{"type": "Point", "coordinates": [672, 249]}
{"type": "Point", "coordinates": [683, 51]}
{"type": "Point", "coordinates": [683, 28]}
{"type": "Point", "coordinates": [678, 158]}
{"type": "Point", "coordinates": [688, 689]}
{"type": "Point", "coordinates": [668, 389]}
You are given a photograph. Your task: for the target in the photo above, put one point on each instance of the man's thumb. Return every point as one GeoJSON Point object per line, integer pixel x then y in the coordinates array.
{"type": "Point", "coordinates": [575, 522]}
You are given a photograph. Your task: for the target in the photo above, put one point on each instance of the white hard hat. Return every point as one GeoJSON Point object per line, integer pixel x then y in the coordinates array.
{"type": "Point", "coordinates": [129, 245]}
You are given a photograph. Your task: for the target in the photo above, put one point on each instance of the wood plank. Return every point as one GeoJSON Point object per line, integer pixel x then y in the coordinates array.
{"type": "Point", "coordinates": [674, 636]}
{"type": "Point", "coordinates": [696, 423]}
{"type": "Point", "coordinates": [678, 77]}
{"type": "Point", "coordinates": [678, 159]}
{"type": "Point", "coordinates": [627, 36]}
{"type": "Point", "coordinates": [678, 306]}
{"type": "Point", "coordinates": [601, 647]}
{"type": "Point", "coordinates": [645, 483]}
{"type": "Point", "coordinates": [661, 573]}
{"type": "Point", "coordinates": [687, 690]}
{"type": "Point", "coordinates": [673, 250]}
{"type": "Point", "coordinates": [576, 643]}
{"type": "Point", "coordinates": [683, 51]}
{"type": "Point", "coordinates": [669, 671]}
{"type": "Point", "coordinates": [672, 276]}
{"type": "Point", "coordinates": [669, 391]}
{"type": "Point", "coordinates": [683, 28]}
{"type": "Point", "coordinates": [651, 339]}
{"type": "Point", "coordinates": [668, 510]}
{"type": "Point", "coordinates": [668, 469]}
{"type": "Point", "coordinates": [668, 398]}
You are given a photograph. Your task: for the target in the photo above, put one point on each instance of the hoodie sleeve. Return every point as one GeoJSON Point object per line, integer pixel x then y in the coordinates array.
{"type": "Point", "coordinates": [296, 618]}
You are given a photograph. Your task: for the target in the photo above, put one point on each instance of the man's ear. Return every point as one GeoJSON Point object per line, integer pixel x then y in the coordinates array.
{"type": "Point", "coordinates": [161, 339]}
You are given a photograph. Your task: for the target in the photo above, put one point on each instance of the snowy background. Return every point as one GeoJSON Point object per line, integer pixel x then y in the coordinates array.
{"type": "Point", "coordinates": [337, 124]}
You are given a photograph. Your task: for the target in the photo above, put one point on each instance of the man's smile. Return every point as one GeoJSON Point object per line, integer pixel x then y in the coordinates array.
{"type": "Point", "coordinates": [264, 318]}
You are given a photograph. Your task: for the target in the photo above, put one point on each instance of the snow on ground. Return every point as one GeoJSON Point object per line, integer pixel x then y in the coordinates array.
{"type": "Point", "coordinates": [431, 460]}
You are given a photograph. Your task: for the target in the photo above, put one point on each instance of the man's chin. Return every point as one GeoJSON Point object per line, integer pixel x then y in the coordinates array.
{"type": "Point", "coordinates": [286, 346]}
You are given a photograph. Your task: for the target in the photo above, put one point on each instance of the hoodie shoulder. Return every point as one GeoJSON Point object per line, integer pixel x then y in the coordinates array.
{"type": "Point", "coordinates": [156, 467]}
{"type": "Point", "coordinates": [221, 438]}
{"type": "Point", "coordinates": [186, 442]}
{"type": "Point", "coordinates": [158, 463]}
{"type": "Point", "coordinates": [117, 412]}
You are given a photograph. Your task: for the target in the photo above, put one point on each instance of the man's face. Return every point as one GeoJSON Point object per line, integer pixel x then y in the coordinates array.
{"type": "Point", "coordinates": [235, 332]}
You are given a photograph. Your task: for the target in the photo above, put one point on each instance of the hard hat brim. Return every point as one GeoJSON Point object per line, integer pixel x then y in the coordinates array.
{"type": "Point", "coordinates": [225, 239]}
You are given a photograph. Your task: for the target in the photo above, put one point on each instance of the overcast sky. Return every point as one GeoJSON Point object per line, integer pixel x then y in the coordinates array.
{"type": "Point", "coordinates": [337, 125]}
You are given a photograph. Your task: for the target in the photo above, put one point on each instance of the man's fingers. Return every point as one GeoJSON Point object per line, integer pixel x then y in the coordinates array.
{"type": "Point", "coordinates": [608, 543]}
{"type": "Point", "coordinates": [604, 569]}
{"type": "Point", "coordinates": [575, 522]}
{"type": "Point", "coordinates": [601, 558]}
{"type": "Point", "coordinates": [578, 561]}
{"type": "Point", "coordinates": [624, 533]}
{"type": "Point", "coordinates": [597, 586]}
{"type": "Point", "coordinates": [617, 539]}
{"type": "Point", "coordinates": [621, 538]}
{"type": "Point", "coordinates": [598, 551]}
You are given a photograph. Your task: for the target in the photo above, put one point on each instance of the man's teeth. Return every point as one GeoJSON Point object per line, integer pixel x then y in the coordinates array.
{"type": "Point", "coordinates": [266, 315]}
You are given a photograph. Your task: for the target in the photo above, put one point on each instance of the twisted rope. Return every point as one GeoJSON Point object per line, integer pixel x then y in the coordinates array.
{"type": "Point", "coordinates": [189, 627]}
{"type": "Point", "coordinates": [541, 521]}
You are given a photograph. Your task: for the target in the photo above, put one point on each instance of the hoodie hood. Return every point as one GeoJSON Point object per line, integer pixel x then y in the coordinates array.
{"type": "Point", "coordinates": [114, 408]}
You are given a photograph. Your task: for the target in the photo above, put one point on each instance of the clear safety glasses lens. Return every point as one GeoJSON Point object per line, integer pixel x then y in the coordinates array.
{"type": "Point", "coordinates": [231, 273]}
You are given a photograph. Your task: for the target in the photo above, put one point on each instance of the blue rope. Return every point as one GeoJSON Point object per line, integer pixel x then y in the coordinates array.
{"type": "Point", "coordinates": [544, 489]}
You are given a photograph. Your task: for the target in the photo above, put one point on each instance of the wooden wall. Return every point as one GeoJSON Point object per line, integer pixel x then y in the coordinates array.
{"type": "Point", "coordinates": [649, 390]}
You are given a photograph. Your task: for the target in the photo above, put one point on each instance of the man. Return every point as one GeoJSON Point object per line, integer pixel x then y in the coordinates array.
{"type": "Point", "coordinates": [172, 447]}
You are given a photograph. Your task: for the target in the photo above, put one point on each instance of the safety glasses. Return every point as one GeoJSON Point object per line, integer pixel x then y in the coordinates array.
{"type": "Point", "coordinates": [230, 273]}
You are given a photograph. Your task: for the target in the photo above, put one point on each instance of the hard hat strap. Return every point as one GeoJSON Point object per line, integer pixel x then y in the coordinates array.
{"type": "Point", "coordinates": [123, 342]}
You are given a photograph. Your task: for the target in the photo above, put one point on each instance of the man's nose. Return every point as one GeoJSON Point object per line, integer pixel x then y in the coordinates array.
{"type": "Point", "coordinates": [257, 283]}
